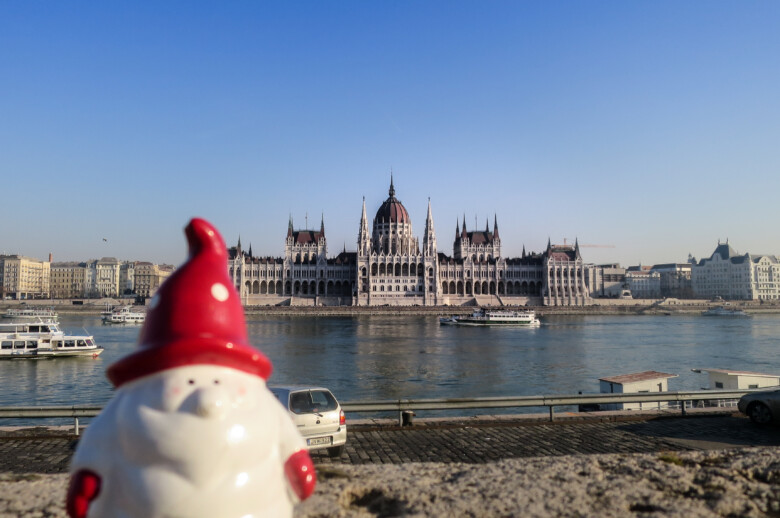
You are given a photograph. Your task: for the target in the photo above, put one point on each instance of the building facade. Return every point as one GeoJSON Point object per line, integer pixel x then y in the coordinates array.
{"type": "Point", "coordinates": [23, 278]}
{"type": "Point", "coordinates": [69, 280]}
{"type": "Point", "coordinates": [730, 275]}
{"type": "Point", "coordinates": [392, 267]}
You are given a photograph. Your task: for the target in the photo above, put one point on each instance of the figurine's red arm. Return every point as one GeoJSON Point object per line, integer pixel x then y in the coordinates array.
{"type": "Point", "coordinates": [300, 474]}
{"type": "Point", "coordinates": [83, 488]}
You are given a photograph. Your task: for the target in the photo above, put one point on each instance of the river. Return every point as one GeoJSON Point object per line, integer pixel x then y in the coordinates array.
{"type": "Point", "coordinates": [390, 357]}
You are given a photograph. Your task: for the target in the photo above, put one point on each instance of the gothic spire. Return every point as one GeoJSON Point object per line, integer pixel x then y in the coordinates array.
{"type": "Point", "coordinates": [290, 227]}
{"type": "Point", "coordinates": [495, 226]}
{"type": "Point", "coordinates": [392, 189]}
{"type": "Point", "coordinates": [429, 239]}
{"type": "Point", "coordinates": [322, 225]}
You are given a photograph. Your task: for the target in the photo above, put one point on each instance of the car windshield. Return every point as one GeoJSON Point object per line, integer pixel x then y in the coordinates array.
{"type": "Point", "coordinates": [312, 401]}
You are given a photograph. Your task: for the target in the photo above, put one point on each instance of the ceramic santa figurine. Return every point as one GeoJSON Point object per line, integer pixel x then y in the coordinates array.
{"type": "Point", "coordinates": [192, 430]}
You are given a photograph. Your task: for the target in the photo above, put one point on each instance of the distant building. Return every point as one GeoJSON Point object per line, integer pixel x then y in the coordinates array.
{"type": "Point", "coordinates": [731, 275]}
{"type": "Point", "coordinates": [69, 280]}
{"type": "Point", "coordinates": [643, 282]}
{"type": "Point", "coordinates": [23, 278]}
{"type": "Point", "coordinates": [609, 280]}
{"type": "Point", "coordinates": [675, 279]}
{"type": "Point", "coordinates": [148, 277]}
{"type": "Point", "coordinates": [391, 267]}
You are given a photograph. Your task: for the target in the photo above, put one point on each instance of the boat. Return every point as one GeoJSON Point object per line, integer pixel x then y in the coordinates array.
{"type": "Point", "coordinates": [124, 315]}
{"type": "Point", "coordinates": [43, 338]}
{"type": "Point", "coordinates": [485, 317]}
{"type": "Point", "coordinates": [30, 313]}
{"type": "Point", "coordinates": [720, 311]}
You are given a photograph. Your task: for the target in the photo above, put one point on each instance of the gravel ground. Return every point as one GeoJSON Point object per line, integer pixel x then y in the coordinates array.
{"type": "Point", "coordinates": [737, 482]}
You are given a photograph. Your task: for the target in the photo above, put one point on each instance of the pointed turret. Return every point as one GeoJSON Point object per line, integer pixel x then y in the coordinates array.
{"type": "Point", "coordinates": [238, 247]}
{"type": "Point", "coordinates": [250, 250]}
{"type": "Point", "coordinates": [392, 189]}
{"type": "Point", "coordinates": [463, 232]}
{"type": "Point", "coordinates": [495, 227]}
{"type": "Point", "coordinates": [523, 256]}
{"type": "Point", "coordinates": [487, 226]}
{"type": "Point", "coordinates": [429, 238]}
{"type": "Point", "coordinates": [363, 244]}
{"type": "Point", "coordinates": [322, 225]}
{"type": "Point", "coordinates": [549, 245]}
{"type": "Point", "coordinates": [576, 248]}
{"type": "Point", "coordinates": [290, 227]}
{"type": "Point", "coordinates": [457, 229]}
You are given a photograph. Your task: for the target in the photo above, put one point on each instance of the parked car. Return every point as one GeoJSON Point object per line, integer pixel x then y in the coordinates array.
{"type": "Point", "coordinates": [761, 407]}
{"type": "Point", "coordinates": [318, 416]}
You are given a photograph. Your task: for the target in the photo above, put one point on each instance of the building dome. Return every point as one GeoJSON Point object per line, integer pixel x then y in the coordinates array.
{"type": "Point", "coordinates": [392, 210]}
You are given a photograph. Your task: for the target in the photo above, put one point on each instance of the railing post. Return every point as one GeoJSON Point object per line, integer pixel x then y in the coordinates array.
{"type": "Point", "coordinates": [682, 407]}
{"type": "Point", "coordinates": [76, 426]}
{"type": "Point", "coordinates": [552, 413]}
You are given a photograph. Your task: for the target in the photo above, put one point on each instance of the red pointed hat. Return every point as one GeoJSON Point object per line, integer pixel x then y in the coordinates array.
{"type": "Point", "coordinates": [195, 318]}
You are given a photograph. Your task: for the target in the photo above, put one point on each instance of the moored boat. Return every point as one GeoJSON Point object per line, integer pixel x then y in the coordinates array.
{"type": "Point", "coordinates": [124, 315]}
{"type": "Point", "coordinates": [42, 338]}
{"type": "Point", "coordinates": [30, 313]}
{"type": "Point", "coordinates": [485, 317]}
{"type": "Point", "coordinates": [720, 311]}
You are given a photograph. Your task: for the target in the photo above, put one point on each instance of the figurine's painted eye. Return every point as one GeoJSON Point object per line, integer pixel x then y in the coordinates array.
{"type": "Point", "coordinates": [191, 381]}
{"type": "Point", "coordinates": [216, 382]}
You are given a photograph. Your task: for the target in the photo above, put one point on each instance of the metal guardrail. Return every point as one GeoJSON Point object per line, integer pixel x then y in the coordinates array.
{"type": "Point", "coordinates": [410, 405]}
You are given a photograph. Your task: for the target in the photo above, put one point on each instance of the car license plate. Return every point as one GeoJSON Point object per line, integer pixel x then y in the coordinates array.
{"type": "Point", "coordinates": [318, 441]}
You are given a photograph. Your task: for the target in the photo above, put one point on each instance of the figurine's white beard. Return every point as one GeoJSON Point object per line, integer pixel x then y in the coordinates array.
{"type": "Point", "coordinates": [196, 449]}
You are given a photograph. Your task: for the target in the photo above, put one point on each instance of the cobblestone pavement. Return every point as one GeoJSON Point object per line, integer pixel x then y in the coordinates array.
{"type": "Point", "coordinates": [40, 451]}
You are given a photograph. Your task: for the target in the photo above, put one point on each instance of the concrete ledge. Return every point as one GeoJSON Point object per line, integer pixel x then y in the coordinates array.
{"type": "Point", "coordinates": [741, 482]}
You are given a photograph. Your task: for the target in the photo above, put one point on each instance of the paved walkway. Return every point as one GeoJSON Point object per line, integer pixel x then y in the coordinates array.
{"type": "Point", "coordinates": [44, 451]}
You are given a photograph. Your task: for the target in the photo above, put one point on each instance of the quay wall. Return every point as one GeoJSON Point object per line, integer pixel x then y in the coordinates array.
{"type": "Point", "coordinates": [594, 307]}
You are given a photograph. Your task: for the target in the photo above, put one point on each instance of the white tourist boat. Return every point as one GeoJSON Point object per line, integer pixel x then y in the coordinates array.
{"type": "Point", "coordinates": [124, 315]}
{"type": "Point", "coordinates": [720, 311]}
{"type": "Point", "coordinates": [30, 313]}
{"type": "Point", "coordinates": [42, 338]}
{"type": "Point", "coordinates": [486, 317]}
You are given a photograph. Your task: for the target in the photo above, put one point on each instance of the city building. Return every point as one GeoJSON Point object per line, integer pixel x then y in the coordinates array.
{"type": "Point", "coordinates": [609, 280]}
{"type": "Point", "coordinates": [643, 282]}
{"type": "Point", "coordinates": [730, 275]}
{"type": "Point", "coordinates": [23, 278]}
{"type": "Point", "coordinates": [392, 267]}
{"type": "Point", "coordinates": [675, 280]}
{"type": "Point", "coordinates": [148, 277]}
{"type": "Point", "coordinates": [69, 280]}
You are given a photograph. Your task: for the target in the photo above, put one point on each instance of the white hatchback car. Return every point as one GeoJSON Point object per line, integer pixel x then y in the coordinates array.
{"type": "Point", "coordinates": [318, 416]}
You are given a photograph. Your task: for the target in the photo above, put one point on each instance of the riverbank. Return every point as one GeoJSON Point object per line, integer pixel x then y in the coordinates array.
{"type": "Point", "coordinates": [597, 307]}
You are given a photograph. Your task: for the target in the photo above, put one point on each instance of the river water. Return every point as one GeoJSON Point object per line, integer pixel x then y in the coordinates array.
{"type": "Point", "coordinates": [390, 357]}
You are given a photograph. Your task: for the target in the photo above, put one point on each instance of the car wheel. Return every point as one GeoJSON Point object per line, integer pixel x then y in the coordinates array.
{"type": "Point", "coordinates": [336, 451]}
{"type": "Point", "coordinates": [759, 413]}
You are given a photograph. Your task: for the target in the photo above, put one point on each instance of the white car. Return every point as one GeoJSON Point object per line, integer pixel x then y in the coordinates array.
{"type": "Point", "coordinates": [318, 416]}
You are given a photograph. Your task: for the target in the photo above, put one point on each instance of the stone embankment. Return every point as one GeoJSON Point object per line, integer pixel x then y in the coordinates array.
{"type": "Point", "coordinates": [741, 482]}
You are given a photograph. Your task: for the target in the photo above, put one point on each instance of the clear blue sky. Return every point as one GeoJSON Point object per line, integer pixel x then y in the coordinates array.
{"type": "Point", "coordinates": [650, 126]}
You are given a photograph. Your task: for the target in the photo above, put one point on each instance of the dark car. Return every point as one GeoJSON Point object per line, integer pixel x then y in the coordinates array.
{"type": "Point", "coordinates": [761, 407]}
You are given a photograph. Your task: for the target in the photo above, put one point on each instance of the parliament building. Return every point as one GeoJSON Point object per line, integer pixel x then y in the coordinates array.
{"type": "Point", "coordinates": [391, 267]}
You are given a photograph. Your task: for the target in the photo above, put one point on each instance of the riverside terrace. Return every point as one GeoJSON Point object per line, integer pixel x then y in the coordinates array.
{"type": "Point", "coordinates": [714, 464]}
